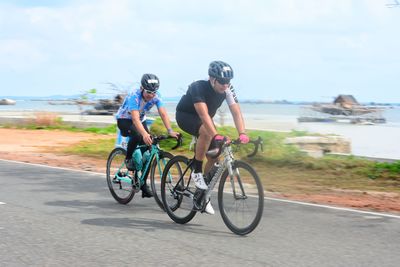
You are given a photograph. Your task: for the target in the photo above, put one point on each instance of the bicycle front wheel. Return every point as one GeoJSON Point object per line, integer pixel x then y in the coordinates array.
{"type": "Point", "coordinates": [118, 179]}
{"type": "Point", "coordinates": [241, 198]}
{"type": "Point", "coordinates": [157, 168]}
{"type": "Point", "coordinates": [177, 190]}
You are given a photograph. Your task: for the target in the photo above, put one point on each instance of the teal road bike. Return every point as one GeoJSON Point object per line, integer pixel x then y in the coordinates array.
{"type": "Point", "coordinates": [240, 192]}
{"type": "Point", "coordinates": [123, 183]}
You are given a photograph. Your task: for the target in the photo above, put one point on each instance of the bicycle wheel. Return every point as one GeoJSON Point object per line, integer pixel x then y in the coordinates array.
{"type": "Point", "coordinates": [177, 190]}
{"type": "Point", "coordinates": [156, 172]}
{"type": "Point", "coordinates": [241, 198]}
{"type": "Point", "coordinates": [118, 179]}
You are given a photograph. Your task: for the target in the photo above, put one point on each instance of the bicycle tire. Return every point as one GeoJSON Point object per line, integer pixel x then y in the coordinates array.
{"type": "Point", "coordinates": [244, 179]}
{"type": "Point", "coordinates": [156, 175]}
{"type": "Point", "coordinates": [175, 192]}
{"type": "Point", "coordinates": [116, 162]}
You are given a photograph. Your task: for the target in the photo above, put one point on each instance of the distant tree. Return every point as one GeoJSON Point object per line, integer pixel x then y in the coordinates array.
{"type": "Point", "coordinates": [86, 98]}
{"type": "Point", "coordinates": [120, 89]}
{"type": "Point", "coordinates": [89, 95]}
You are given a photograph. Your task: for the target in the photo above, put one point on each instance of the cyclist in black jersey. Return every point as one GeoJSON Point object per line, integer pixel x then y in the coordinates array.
{"type": "Point", "coordinates": [195, 112]}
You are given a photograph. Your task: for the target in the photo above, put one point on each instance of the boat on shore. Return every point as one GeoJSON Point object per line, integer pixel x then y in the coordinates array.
{"type": "Point", "coordinates": [106, 106]}
{"type": "Point", "coordinates": [7, 101]}
{"type": "Point", "coordinates": [344, 108]}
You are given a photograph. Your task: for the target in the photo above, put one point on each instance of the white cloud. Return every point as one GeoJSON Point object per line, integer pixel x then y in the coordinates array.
{"type": "Point", "coordinates": [288, 42]}
{"type": "Point", "coordinates": [20, 54]}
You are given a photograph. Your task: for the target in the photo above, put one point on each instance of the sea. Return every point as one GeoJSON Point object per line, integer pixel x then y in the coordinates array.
{"type": "Point", "coordinates": [378, 140]}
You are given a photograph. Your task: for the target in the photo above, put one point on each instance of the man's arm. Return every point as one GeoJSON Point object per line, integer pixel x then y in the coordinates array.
{"type": "Point", "coordinates": [139, 127]}
{"type": "Point", "coordinates": [165, 119]}
{"type": "Point", "coordinates": [237, 117]}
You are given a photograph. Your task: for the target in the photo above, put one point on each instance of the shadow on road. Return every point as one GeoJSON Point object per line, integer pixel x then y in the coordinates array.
{"type": "Point", "coordinates": [107, 204]}
{"type": "Point", "coordinates": [151, 225]}
{"type": "Point", "coordinates": [111, 208]}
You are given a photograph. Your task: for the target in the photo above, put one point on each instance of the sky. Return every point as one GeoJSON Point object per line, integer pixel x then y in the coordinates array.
{"type": "Point", "coordinates": [296, 50]}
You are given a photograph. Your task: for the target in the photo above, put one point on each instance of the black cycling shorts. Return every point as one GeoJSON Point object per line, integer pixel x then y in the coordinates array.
{"type": "Point", "coordinates": [189, 122]}
{"type": "Point", "coordinates": [128, 129]}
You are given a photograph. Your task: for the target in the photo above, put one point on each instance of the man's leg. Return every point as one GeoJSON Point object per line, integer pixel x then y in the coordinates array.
{"type": "Point", "coordinates": [146, 191]}
{"type": "Point", "coordinates": [203, 143]}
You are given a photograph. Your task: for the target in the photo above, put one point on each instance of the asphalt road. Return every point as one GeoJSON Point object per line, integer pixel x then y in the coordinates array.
{"type": "Point", "coordinates": [58, 217]}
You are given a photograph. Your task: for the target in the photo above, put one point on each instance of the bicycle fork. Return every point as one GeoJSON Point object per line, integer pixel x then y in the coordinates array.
{"type": "Point", "coordinates": [234, 172]}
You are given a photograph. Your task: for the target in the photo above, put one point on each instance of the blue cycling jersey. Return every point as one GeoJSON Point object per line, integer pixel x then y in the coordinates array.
{"type": "Point", "coordinates": [135, 101]}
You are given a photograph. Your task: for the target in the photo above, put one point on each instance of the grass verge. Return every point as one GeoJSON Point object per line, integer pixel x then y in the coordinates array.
{"type": "Point", "coordinates": [282, 168]}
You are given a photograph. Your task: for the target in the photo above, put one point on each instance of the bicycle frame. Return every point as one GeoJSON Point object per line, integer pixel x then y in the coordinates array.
{"type": "Point", "coordinates": [241, 211]}
{"type": "Point", "coordinates": [228, 159]}
{"type": "Point", "coordinates": [227, 163]}
{"type": "Point", "coordinates": [123, 183]}
{"type": "Point", "coordinates": [154, 153]}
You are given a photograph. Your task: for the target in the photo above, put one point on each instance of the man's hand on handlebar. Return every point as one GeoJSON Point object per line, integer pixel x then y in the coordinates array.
{"type": "Point", "coordinates": [147, 139]}
{"type": "Point", "coordinates": [174, 134]}
{"type": "Point", "coordinates": [217, 142]}
{"type": "Point", "coordinates": [220, 138]}
{"type": "Point", "coordinates": [244, 138]}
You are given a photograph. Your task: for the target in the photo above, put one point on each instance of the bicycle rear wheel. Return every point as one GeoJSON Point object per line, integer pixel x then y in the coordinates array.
{"type": "Point", "coordinates": [177, 190]}
{"type": "Point", "coordinates": [118, 179]}
{"type": "Point", "coordinates": [157, 168]}
{"type": "Point", "coordinates": [241, 198]}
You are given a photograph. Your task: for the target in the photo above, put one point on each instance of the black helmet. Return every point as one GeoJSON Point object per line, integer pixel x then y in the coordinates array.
{"type": "Point", "coordinates": [150, 82]}
{"type": "Point", "coordinates": [221, 71]}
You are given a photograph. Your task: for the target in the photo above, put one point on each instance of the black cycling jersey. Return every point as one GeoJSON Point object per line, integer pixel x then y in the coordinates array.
{"type": "Point", "coordinates": [202, 91]}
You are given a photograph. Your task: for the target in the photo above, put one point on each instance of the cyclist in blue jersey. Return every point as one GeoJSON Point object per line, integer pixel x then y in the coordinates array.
{"type": "Point", "coordinates": [196, 109]}
{"type": "Point", "coordinates": [131, 118]}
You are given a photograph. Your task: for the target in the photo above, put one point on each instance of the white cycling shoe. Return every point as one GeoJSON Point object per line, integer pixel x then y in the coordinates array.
{"type": "Point", "coordinates": [209, 209]}
{"type": "Point", "coordinates": [199, 180]}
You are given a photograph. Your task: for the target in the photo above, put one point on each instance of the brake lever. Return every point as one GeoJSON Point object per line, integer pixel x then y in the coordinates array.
{"type": "Point", "coordinates": [257, 143]}
{"type": "Point", "coordinates": [178, 141]}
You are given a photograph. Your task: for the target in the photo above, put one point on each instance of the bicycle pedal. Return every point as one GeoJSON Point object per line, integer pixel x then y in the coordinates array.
{"type": "Point", "coordinates": [197, 208]}
{"type": "Point", "coordinates": [136, 190]}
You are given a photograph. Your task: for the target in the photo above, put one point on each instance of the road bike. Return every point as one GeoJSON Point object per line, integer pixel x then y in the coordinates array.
{"type": "Point", "coordinates": [123, 183]}
{"type": "Point", "coordinates": [240, 192]}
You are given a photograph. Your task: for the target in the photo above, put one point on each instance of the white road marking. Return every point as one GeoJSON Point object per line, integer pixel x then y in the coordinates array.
{"type": "Point", "coordinates": [2, 203]}
{"type": "Point", "coordinates": [269, 198]}
{"type": "Point", "coordinates": [52, 167]}
{"type": "Point", "coordinates": [335, 208]}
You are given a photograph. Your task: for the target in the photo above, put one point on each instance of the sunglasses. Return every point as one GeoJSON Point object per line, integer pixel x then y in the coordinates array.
{"type": "Point", "coordinates": [150, 92]}
{"type": "Point", "coordinates": [223, 81]}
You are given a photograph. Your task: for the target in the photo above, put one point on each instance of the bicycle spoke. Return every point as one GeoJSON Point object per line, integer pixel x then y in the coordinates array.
{"type": "Point", "coordinates": [177, 191]}
{"type": "Point", "coordinates": [118, 179]}
{"type": "Point", "coordinates": [241, 199]}
{"type": "Point", "coordinates": [157, 169]}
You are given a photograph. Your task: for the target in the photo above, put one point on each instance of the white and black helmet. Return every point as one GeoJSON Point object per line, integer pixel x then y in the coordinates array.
{"type": "Point", "coordinates": [150, 82]}
{"type": "Point", "coordinates": [220, 70]}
